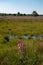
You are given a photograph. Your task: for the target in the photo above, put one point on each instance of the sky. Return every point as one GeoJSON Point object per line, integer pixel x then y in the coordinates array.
{"type": "Point", "coordinates": [22, 6]}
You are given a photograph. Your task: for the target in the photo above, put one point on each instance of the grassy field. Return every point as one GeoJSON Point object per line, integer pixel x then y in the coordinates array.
{"type": "Point", "coordinates": [18, 26]}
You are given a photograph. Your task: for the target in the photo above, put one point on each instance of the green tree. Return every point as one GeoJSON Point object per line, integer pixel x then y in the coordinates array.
{"type": "Point", "coordinates": [18, 14]}
{"type": "Point", "coordinates": [34, 13]}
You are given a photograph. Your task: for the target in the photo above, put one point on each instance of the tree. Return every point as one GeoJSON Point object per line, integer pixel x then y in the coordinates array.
{"type": "Point", "coordinates": [34, 13]}
{"type": "Point", "coordinates": [18, 14]}
{"type": "Point", "coordinates": [24, 14]}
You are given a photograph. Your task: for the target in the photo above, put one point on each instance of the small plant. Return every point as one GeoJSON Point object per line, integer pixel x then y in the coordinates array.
{"type": "Point", "coordinates": [6, 39]}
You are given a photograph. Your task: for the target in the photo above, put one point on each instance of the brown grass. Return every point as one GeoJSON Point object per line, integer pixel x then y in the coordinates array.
{"type": "Point", "coordinates": [21, 17]}
{"type": "Point", "coordinates": [39, 46]}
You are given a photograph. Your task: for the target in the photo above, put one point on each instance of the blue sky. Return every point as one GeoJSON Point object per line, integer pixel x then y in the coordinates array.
{"type": "Point", "coordinates": [22, 6]}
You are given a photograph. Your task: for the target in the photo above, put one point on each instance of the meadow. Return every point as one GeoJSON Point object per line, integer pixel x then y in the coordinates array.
{"type": "Point", "coordinates": [18, 26]}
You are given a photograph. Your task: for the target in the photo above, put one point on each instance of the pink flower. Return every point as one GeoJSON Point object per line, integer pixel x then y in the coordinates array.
{"type": "Point", "coordinates": [20, 46]}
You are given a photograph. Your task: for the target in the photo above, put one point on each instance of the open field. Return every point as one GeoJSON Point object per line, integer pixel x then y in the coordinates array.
{"type": "Point", "coordinates": [18, 26]}
{"type": "Point", "coordinates": [21, 17]}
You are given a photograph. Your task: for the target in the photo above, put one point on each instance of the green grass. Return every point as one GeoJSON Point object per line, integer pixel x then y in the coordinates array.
{"type": "Point", "coordinates": [32, 54]}
{"type": "Point", "coordinates": [21, 27]}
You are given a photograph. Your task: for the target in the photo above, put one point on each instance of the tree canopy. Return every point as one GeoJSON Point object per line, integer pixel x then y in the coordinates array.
{"type": "Point", "coordinates": [34, 13]}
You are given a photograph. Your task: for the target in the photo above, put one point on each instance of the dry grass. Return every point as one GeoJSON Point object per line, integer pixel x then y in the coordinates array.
{"type": "Point", "coordinates": [21, 17]}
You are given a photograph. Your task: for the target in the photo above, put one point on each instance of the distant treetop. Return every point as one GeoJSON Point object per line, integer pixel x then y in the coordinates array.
{"type": "Point", "coordinates": [34, 13]}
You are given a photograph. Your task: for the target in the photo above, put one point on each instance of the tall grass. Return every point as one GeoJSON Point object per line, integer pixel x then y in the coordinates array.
{"type": "Point", "coordinates": [33, 48]}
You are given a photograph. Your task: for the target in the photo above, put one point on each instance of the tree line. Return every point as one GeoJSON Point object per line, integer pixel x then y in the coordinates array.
{"type": "Point", "coordinates": [34, 13]}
